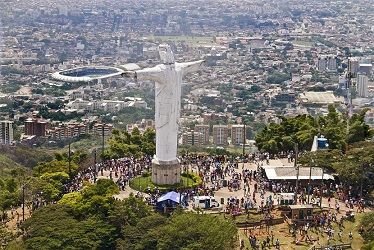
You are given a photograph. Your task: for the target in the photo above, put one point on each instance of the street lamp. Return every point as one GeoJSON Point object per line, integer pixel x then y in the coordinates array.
{"type": "Point", "coordinates": [297, 172]}
{"type": "Point", "coordinates": [321, 190]}
{"type": "Point", "coordinates": [310, 179]}
{"type": "Point", "coordinates": [103, 141]}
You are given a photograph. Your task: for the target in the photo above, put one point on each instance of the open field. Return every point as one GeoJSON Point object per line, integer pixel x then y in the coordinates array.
{"type": "Point", "coordinates": [305, 43]}
{"type": "Point", "coordinates": [193, 40]}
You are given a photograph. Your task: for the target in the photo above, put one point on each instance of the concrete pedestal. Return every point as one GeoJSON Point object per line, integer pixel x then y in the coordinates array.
{"type": "Point", "coordinates": [166, 172]}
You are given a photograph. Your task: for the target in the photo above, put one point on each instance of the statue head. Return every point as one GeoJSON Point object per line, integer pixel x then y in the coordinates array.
{"type": "Point", "coordinates": [166, 54]}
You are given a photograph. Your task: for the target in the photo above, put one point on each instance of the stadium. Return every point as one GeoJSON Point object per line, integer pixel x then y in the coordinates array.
{"type": "Point", "coordinates": [87, 73]}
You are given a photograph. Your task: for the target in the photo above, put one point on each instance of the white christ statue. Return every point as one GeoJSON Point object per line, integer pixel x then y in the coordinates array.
{"type": "Point", "coordinates": [168, 85]}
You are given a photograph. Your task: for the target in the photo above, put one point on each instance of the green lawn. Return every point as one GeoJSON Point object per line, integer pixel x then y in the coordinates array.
{"type": "Point", "coordinates": [141, 183]}
{"type": "Point", "coordinates": [306, 43]}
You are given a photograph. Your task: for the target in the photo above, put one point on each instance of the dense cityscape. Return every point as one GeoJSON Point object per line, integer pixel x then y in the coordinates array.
{"type": "Point", "coordinates": [274, 131]}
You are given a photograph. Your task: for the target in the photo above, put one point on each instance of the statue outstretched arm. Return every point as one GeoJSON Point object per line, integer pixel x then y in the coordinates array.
{"type": "Point", "coordinates": [189, 67]}
{"type": "Point", "coordinates": [154, 74]}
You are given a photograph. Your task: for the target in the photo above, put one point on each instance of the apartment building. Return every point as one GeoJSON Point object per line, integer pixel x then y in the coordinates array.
{"type": "Point", "coordinates": [220, 134]}
{"type": "Point", "coordinates": [6, 132]}
{"type": "Point", "coordinates": [237, 134]}
{"type": "Point", "coordinates": [203, 130]}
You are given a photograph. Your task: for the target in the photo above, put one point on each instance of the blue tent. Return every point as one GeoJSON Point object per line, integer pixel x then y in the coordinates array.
{"type": "Point", "coordinates": [169, 200]}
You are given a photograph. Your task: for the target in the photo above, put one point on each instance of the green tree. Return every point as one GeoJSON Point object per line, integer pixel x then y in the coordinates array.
{"type": "Point", "coordinates": [367, 223]}
{"type": "Point", "coordinates": [197, 231]}
{"type": "Point", "coordinates": [278, 78]}
{"type": "Point", "coordinates": [128, 212]}
{"type": "Point", "coordinates": [55, 227]}
{"type": "Point", "coordinates": [94, 199]}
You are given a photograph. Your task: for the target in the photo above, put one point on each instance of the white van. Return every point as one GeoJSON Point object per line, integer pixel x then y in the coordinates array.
{"type": "Point", "coordinates": [205, 202]}
{"type": "Point", "coordinates": [285, 199]}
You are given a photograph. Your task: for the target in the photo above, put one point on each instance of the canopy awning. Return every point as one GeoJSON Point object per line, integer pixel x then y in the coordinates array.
{"type": "Point", "coordinates": [290, 173]}
{"type": "Point", "coordinates": [173, 196]}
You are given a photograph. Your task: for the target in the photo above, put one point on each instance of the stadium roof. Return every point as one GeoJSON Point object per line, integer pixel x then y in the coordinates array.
{"type": "Point", "coordinates": [326, 97]}
{"type": "Point", "coordinates": [87, 73]}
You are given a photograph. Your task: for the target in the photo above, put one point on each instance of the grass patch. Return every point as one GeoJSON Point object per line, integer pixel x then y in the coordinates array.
{"type": "Point", "coordinates": [287, 241]}
{"type": "Point", "coordinates": [7, 165]}
{"type": "Point", "coordinates": [142, 182]}
{"type": "Point", "coordinates": [252, 217]}
{"type": "Point", "coordinates": [307, 43]}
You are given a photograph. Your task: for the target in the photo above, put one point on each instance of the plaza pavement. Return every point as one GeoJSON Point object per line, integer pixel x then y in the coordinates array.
{"type": "Point", "coordinates": [225, 193]}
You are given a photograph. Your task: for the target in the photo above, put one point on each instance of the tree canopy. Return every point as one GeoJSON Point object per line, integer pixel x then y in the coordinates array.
{"type": "Point", "coordinates": [92, 219]}
{"type": "Point", "coordinates": [301, 129]}
{"type": "Point", "coordinates": [367, 223]}
{"type": "Point", "coordinates": [122, 144]}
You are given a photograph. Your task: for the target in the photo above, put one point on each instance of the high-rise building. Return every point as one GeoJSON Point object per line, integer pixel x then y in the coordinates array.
{"type": "Point", "coordinates": [191, 138]}
{"type": "Point", "coordinates": [36, 126]}
{"type": "Point", "coordinates": [6, 132]}
{"type": "Point", "coordinates": [203, 130]}
{"type": "Point", "coordinates": [331, 63]}
{"type": "Point", "coordinates": [362, 85]}
{"type": "Point", "coordinates": [327, 63]}
{"type": "Point", "coordinates": [237, 134]}
{"type": "Point", "coordinates": [353, 66]}
{"type": "Point", "coordinates": [99, 129]}
{"type": "Point", "coordinates": [322, 64]}
{"type": "Point", "coordinates": [220, 134]}
{"type": "Point", "coordinates": [68, 130]}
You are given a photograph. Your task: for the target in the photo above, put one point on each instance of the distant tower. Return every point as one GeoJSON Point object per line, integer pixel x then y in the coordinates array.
{"type": "Point", "coordinates": [331, 63]}
{"type": "Point", "coordinates": [353, 66]}
{"type": "Point", "coordinates": [6, 132]}
{"type": "Point", "coordinates": [362, 85]}
{"type": "Point", "coordinates": [322, 63]}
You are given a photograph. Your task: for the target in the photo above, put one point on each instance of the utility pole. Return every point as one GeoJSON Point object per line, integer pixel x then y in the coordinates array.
{"type": "Point", "coordinates": [321, 192]}
{"type": "Point", "coordinates": [297, 172]}
{"type": "Point", "coordinates": [23, 202]}
{"type": "Point", "coordinates": [244, 140]}
{"type": "Point", "coordinates": [69, 159]}
{"type": "Point", "coordinates": [95, 166]}
{"type": "Point", "coordinates": [362, 179]}
{"type": "Point", "coordinates": [103, 142]}
{"type": "Point", "coordinates": [96, 169]}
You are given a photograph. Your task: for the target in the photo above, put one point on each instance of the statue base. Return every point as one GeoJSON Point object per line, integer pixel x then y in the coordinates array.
{"type": "Point", "coordinates": [166, 172]}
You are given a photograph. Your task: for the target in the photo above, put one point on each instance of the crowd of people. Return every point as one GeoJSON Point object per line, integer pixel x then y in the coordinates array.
{"type": "Point", "coordinates": [248, 182]}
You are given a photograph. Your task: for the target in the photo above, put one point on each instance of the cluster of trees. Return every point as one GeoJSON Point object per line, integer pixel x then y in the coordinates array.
{"type": "Point", "coordinates": [301, 129]}
{"type": "Point", "coordinates": [46, 180]}
{"type": "Point", "coordinates": [355, 167]}
{"type": "Point", "coordinates": [57, 116]}
{"type": "Point", "coordinates": [11, 87]}
{"type": "Point", "coordinates": [367, 223]}
{"type": "Point", "coordinates": [15, 172]}
{"type": "Point", "coordinates": [54, 91]}
{"type": "Point", "coordinates": [130, 115]}
{"type": "Point", "coordinates": [278, 78]}
{"type": "Point", "coordinates": [93, 219]}
{"type": "Point", "coordinates": [122, 144]}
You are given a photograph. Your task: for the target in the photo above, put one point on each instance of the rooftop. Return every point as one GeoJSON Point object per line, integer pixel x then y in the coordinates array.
{"type": "Point", "coordinates": [290, 173]}
{"type": "Point", "coordinates": [326, 97]}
